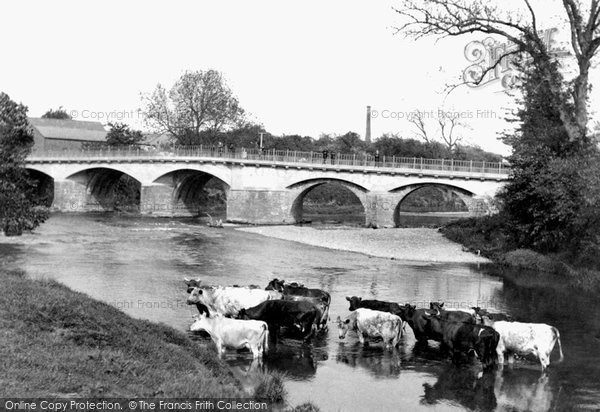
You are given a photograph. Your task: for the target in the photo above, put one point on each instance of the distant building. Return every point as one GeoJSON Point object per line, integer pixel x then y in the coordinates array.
{"type": "Point", "coordinates": [59, 134]}
{"type": "Point", "coordinates": [157, 139]}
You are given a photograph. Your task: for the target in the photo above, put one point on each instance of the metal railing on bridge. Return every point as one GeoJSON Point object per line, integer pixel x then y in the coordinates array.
{"type": "Point", "coordinates": [342, 160]}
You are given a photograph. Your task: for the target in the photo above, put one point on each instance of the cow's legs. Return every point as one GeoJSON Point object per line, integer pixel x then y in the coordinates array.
{"type": "Point", "coordinates": [544, 360]}
{"type": "Point", "coordinates": [220, 348]}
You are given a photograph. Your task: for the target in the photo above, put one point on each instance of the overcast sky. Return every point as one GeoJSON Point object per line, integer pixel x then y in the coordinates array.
{"type": "Point", "coordinates": [306, 68]}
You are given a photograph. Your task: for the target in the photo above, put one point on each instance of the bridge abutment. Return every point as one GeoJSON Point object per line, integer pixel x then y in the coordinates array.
{"type": "Point", "coordinates": [259, 206]}
{"type": "Point", "coordinates": [157, 200]}
{"type": "Point", "coordinates": [69, 196]}
{"type": "Point", "coordinates": [381, 209]}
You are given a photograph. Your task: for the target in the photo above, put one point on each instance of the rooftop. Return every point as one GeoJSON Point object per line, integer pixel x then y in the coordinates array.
{"type": "Point", "coordinates": [69, 129]}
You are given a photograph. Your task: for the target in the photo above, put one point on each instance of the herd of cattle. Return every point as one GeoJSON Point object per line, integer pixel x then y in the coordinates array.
{"type": "Point", "coordinates": [251, 317]}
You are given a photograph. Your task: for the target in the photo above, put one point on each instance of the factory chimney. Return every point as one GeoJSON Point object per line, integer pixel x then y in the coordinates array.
{"type": "Point", "coordinates": [368, 132]}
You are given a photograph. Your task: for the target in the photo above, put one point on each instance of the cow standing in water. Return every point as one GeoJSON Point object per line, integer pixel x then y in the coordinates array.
{"type": "Point", "coordinates": [537, 339]}
{"type": "Point", "coordinates": [371, 324]}
{"type": "Point", "coordinates": [234, 333]}
{"type": "Point", "coordinates": [295, 291]}
{"type": "Point", "coordinates": [301, 315]}
{"type": "Point", "coordinates": [228, 301]}
{"type": "Point", "coordinates": [464, 338]}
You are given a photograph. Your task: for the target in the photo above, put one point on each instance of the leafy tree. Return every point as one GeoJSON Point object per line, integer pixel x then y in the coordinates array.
{"type": "Point", "coordinates": [198, 102]}
{"type": "Point", "coordinates": [120, 134]}
{"type": "Point", "coordinates": [59, 113]}
{"type": "Point", "coordinates": [442, 18]}
{"type": "Point", "coordinates": [18, 208]}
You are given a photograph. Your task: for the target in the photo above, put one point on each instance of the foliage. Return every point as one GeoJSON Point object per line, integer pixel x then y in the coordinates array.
{"type": "Point", "coordinates": [120, 134]}
{"type": "Point", "coordinates": [490, 235]}
{"type": "Point", "coordinates": [553, 197]}
{"type": "Point", "coordinates": [443, 18]}
{"type": "Point", "coordinates": [195, 109]}
{"type": "Point", "coordinates": [19, 209]}
{"type": "Point", "coordinates": [270, 388]}
{"type": "Point", "coordinates": [59, 113]}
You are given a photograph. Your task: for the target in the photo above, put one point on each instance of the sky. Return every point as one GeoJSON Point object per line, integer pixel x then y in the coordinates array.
{"type": "Point", "coordinates": [305, 68]}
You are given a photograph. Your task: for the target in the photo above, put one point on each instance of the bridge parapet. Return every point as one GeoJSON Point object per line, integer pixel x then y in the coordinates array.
{"type": "Point", "coordinates": [283, 158]}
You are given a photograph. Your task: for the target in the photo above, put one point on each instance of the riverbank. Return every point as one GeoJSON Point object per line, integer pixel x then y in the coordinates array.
{"type": "Point", "coordinates": [410, 244]}
{"type": "Point", "coordinates": [58, 343]}
{"type": "Point", "coordinates": [488, 235]}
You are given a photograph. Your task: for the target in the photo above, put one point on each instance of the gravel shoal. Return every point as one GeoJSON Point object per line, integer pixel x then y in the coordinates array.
{"type": "Point", "coordinates": [411, 244]}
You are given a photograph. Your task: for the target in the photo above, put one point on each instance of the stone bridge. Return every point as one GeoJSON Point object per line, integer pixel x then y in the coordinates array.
{"type": "Point", "coordinates": [261, 187]}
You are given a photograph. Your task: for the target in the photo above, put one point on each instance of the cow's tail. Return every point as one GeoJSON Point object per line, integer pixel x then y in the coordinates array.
{"type": "Point", "coordinates": [557, 335]}
{"type": "Point", "coordinates": [265, 338]}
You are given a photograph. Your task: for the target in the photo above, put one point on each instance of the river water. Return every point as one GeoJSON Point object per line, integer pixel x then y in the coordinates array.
{"type": "Point", "coordinates": [137, 264]}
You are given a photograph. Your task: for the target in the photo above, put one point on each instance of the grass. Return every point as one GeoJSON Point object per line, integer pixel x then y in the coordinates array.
{"type": "Point", "coordinates": [61, 343]}
{"type": "Point", "coordinates": [56, 342]}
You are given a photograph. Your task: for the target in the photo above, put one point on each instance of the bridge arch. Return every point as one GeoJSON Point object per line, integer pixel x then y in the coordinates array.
{"type": "Point", "coordinates": [301, 189]}
{"type": "Point", "coordinates": [465, 195]}
{"type": "Point", "coordinates": [102, 189]}
{"type": "Point", "coordinates": [44, 186]}
{"type": "Point", "coordinates": [193, 192]}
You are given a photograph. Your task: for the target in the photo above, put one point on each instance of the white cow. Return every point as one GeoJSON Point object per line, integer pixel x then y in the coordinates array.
{"type": "Point", "coordinates": [537, 339]}
{"type": "Point", "coordinates": [372, 324]}
{"type": "Point", "coordinates": [229, 300]}
{"type": "Point", "coordinates": [234, 333]}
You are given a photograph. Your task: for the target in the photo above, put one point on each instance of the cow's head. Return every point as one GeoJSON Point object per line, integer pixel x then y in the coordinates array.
{"type": "Point", "coordinates": [403, 312]}
{"type": "Point", "coordinates": [486, 321]}
{"type": "Point", "coordinates": [191, 284]}
{"type": "Point", "coordinates": [354, 302]}
{"type": "Point", "coordinates": [486, 342]}
{"type": "Point", "coordinates": [437, 306]}
{"type": "Point", "coordinates": [195, 296]}
{"type": "Point", "coordinates": [275, 284]}
{"type": "Point", "coordinates": [409, 310]}
{"type": "Point", "coordinates": [200, 323]}
{"type": "Point", "coordinates": [343, 326]}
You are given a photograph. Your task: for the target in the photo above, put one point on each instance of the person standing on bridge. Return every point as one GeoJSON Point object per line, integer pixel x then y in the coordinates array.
{"type": "Point", "coordinates": [325, 154]}
{"type": "Point", "coordinates": [376, 158]}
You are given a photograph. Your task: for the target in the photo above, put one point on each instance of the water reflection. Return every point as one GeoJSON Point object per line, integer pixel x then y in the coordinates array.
{"type": "Point", "coordinates": [138, 264]}
{"type": "Point", "coordinates": [464, 386]}
{"type": "Point", "coordinates": [375, 359]}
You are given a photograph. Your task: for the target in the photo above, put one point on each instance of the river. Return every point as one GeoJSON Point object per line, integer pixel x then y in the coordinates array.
{"type": "Point", "coordinates": [138, 264]}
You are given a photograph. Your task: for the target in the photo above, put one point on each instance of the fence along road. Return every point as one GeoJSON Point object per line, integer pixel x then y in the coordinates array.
{"type": "Point", "coordinates": [342, 161]}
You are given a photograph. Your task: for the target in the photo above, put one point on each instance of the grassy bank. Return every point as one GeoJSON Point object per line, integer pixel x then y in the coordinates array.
{"type": "Point", "coordinates": [490, 237]}
{"type": "Point", "coordinates": [61, 343]}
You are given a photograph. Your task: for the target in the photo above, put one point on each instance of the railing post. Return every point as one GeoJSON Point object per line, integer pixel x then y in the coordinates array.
{"type": "Point", "coordinates": [414, 162]}
{"type": "Point", "coordinates": [471, 166]}
{"type": "Point", "coordinates": [421, 164]}
{"type": "Point", "coordinates": [452, 165]}
{"type": "Point", "coordinates": [442, 165]}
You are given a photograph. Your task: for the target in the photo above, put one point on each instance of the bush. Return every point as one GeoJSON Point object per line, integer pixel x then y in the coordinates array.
{"type": "Point", "coordinates": [270, 388]}
{"type": "Point", "coordinates": [531, 260]}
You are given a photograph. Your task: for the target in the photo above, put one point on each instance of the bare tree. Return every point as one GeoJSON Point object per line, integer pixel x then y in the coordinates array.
{"type": "Point", "coordinates": [198, 101]}
{"type": "Point", "coordinates": [418, 120]}
{"type": "Point", "coordinates": [447, 127]}
{"type": "Point", "coordinates": [444, 18]}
